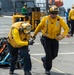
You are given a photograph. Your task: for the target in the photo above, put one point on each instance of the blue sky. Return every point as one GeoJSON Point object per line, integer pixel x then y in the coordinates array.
{"type": "Point", "coordinates": [67, 3]}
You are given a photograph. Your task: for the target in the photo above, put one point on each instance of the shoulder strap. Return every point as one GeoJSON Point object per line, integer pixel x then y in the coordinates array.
{"type": "Point", "coordinates": [47, 22]}
{"type": "Point", "coordinates": [57, 22]}
{"type": "Point", "coordinates": [47, 25]}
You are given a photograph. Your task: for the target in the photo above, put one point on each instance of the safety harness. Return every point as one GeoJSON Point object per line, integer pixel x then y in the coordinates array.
{"type": "Point", "coordinates": [47, 22]}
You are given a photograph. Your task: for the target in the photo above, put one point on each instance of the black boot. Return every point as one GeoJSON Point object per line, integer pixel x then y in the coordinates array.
{"type": "Point", "coordinates": [71, 35]}
{"type": "Point", "coordinates": [47, 72]}
{"type": "Point", "coordinates": [44, 61]}
{"type": "Point", "coordinates": [11, 72]}
{"type": "Point", "coordinates": [27, 73]}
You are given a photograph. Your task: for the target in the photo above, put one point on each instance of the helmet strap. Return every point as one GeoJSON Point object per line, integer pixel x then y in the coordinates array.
{"type": "Point", "coordinates": [21, 29]}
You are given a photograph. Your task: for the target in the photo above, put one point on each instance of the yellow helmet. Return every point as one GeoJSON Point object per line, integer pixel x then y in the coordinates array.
{"type": "Point", "coordinates": [53, 9]}
{"type": "Point", "coordinates": [73, 6]}
{"type": "Point", "coordinates": [26, 28]}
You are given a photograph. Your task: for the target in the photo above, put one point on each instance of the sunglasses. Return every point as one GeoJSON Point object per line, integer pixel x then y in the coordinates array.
{"type": "Point", "coordinates": [54, 13]}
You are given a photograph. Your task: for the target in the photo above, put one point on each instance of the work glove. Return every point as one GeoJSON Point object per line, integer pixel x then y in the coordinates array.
{"type": "Point", "coordinates": [33, 37]}
{"type": "Point", "coordinates": [59, 37]}
{"type": "Point", "coordinates": [30, 42]}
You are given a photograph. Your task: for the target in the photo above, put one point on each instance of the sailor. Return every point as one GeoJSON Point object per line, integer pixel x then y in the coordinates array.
{"type": "Point", "coordinates": [50, 26]}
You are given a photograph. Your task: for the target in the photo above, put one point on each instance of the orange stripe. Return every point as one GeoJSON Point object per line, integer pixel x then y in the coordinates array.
{"type": "Point", "coordinates": [1, 50]}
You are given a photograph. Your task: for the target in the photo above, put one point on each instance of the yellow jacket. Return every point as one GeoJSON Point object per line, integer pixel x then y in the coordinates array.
{"type": "Point", "coordinates": [16, 38]}
{"type": "Point", "coordinates": [52, 27]}
{"type": "Point", "coordinates": [71, 15]}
